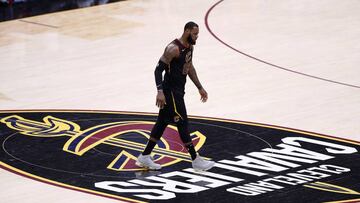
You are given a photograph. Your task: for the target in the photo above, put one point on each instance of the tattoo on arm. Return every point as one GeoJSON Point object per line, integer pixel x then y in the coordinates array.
{"type": "Point", "coordinates": [171, 51]}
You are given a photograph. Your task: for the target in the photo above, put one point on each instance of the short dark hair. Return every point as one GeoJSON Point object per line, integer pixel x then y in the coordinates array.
{"type": "Point", "coordinates": [190, 25]}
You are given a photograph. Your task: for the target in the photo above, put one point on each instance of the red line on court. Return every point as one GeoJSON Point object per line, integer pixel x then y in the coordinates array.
{"type": "Point", "coordinates": [262, 61]}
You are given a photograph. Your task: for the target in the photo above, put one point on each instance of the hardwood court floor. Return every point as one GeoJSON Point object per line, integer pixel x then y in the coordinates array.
{"type": "Point", "coordinates": [286, 63]}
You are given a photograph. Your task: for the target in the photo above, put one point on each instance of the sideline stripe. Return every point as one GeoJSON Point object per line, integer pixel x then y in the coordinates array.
{"type": "Point", "coordinates": [35, 23]}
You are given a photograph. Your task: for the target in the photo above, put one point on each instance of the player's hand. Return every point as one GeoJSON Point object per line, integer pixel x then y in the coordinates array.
{"type": "Point", "coordinates": [160, 99]}
{"type": "Point", "coordinates": [203, 94]}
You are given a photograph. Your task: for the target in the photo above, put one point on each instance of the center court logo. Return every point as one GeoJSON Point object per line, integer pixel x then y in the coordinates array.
{"type": "Point", "coordinates": [169, 149]}
{"type": "Point", "coordinates": [95, 152]}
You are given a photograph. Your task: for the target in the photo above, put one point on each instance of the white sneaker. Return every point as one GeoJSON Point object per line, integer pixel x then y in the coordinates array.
{"type": "Point", "coordinates": [201, 164]}
{"type": "Point", "coordinates": [146, 161]}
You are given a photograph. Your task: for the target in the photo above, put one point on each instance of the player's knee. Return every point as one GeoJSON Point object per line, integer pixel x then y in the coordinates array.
{"type": "Point", "coordinates": [158, 130]}
{"type": "Point", "coordinates": [154, 139]}
{"type": "Point", "coordinates": [180, 121]}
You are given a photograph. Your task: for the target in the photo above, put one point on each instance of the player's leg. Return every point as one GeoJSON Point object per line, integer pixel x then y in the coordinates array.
{"type": "Point", "coordinates": [145, 160]}
{"type": "Point", "coordinates": [181, 121]}
{"type": "Point", "coordinates": [155, 135]}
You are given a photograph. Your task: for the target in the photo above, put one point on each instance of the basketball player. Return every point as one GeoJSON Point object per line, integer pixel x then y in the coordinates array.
{"type": "Point", "coordinates": [177, 63]}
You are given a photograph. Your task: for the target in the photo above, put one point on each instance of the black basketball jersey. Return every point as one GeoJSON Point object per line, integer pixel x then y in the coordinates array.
{"type": "Point", "coordinates": [175, 75]}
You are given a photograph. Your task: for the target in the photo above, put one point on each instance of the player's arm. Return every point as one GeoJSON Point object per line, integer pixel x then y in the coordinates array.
{"type": "Point", "coordinates": [193, 76]}
{"type": "Point", "coordinates": [171, 51]}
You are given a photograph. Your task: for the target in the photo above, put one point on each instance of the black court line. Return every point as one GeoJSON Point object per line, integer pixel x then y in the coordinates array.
{"type": "Point", "coordinates": [35, 23]}
{"type": "Point", "coordinates": [262, 61]}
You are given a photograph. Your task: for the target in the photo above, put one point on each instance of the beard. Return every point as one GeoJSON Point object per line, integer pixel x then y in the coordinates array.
{"type": "Point", "coordinates": [190, 40]}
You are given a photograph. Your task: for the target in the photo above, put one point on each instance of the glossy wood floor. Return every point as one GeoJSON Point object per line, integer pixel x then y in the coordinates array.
{"type": "Point", "coordinates": [287, 63]}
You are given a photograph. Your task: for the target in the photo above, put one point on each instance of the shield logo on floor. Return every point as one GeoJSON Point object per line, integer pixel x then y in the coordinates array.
{"type": "Point", "coordinates": [95, 152]}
